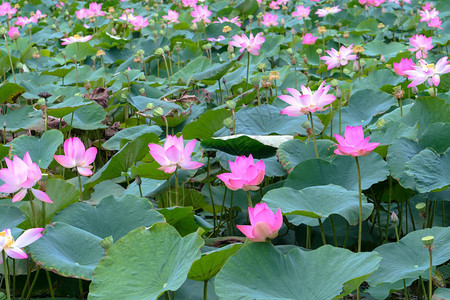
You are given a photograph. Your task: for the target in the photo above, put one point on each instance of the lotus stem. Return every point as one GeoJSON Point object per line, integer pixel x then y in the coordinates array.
{"type": "Point", "coordinates": [176, 187]}
{"type": "Point", "coordinates": [430, 280]}
{"type": "Point", "coordinates": [248, 69]}
{"type": "Point", "coordinates": [80, 186]}
{"type": "Point", "coordinates": [168, 72]}
{"type": "Point", "coordinates": [33, 283]}
{"type": "Point", "coordinates": [10, 59]}
{"type": "Point", "coordinates": [212, 199]}
{"type": "Point", "coordinates": [80, 288]}
{"type": "Point", "coordinates": [360, 204]}
{"type": "Point", "coordinates": [313, 134]}
{"type": "Point", "coordinates": [405, 290]}
{"type": "Point", "coordinates": [50, 285]}
{"type": "Point", "coordinates": [388, 211]}
{"type": "Point", "coordinates": [8, 291]}
{"type": "Point", "coordinates": [249, 198]}
{"type": "Point", "coordinates": [322, 233]}
{"type": "Point", "coordinates": [334, 231]}
{"type": "Point", "coordinates": [33, 211]}
{"type": "Point", "coordinates": [205, 290]}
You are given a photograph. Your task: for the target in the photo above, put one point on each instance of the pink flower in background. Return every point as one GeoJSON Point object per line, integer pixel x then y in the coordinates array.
{"type": "Point", "coordinates": [38, 14]}
{"type": "Point", "coordinates": [201, 13]}
{"type": "Point", "coordinates": [427, 14]}
{"type": "Point", "coordinates": [309, 39]}
{"type": "Point", "coordinates": [21, 175]}
{"type": "Point", "coordinates": [301, 12]}
{"type": "Point", "coordinates": [13, 248]}
{"type": "Point", "coordinates": [274, 5]}
{"type": "Point", "coordinates": [264, 223]}
{"type": "Point", "coordinates": [428, 72]}
{"type": "Point", "coordinates": [190, 3]}
{"type": "Point", "coordinates": [338, 58]}
{"type": "Point", "coordinates": [245, 174]}
{"type": "Point", "coordinates": [398, 1]}
{"type": "Point", "coordinates": [435, 23]}
{"type": "Point", "coordinates": [251, 44]}
{"type": "Point", "coordinates": [308, 102]}
{"type": "Point", "coordinates": [139, 22]}
{"type": "Point", "coordinates": [76, 39]}
{"type": "Point", "coordinates": [220, 38]}
{"type": "Point", "coordinates": [427, 6]}
{"type": "Point", "coordinates": [172, 17]}
{"type": "Point", "coordinates": [354, 143]}
{"type": "Point", "coordinates": [373, 3]}
{"type": "Point", "coordinates": [14, 33]}
{"type": "Point", "coordinates": [22, 21]}
{"type": "Point", "coordinates": [234, 20]}
{"type": "Point", "coordinates": [95, 10]}
{"type": "Point", "coordinates": [421, 44]}
{"type": "Point", "coordinates": [322, 12]}
{"type": "Point", "coordinates": [174, 154]}
{"type": "Point", "coordinates": [127, 15]}
{"type": "Point", "coordinates": [5, 9]}
{"type": "Point", "coordinates": [75, 155]}
{"type": "Point", "coordinates": [269, 20]}
{"type": "Point", "coordinates": [59, 5]}
{"type": "Point", "coordinates": [405, 64]}
{"type": "Point", "coordinates": [82, 13]}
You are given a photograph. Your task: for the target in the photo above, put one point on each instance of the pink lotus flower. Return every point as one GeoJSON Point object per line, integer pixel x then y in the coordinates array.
{"type": "Point", "coordinates": [95, 10]}
{"type": "Point", "coordinates": [309, 39]}
{"type": "Point", "coordinates": [190, 3]}
{"type": "Point", "coordinates": [421, 45]}
{"type": "Point", "coordinates": [138, 22]}
{"type": "Point", "coordinates": [220, 38]}
{"type": "Point", "coordinates": [60, 4]}
{"type": "Point", "coordinates": [373, 3]}
{"type": "Point", "coordinates": [301, 12]}
{"type": "Point", "coordinates": [77, 156]}
{"type": "Point", "coordinates": [14, 33]}
{"type": "Point", "coordinates": [22, 21]}
{"type": "Point", "coordinates": [308, 102]}
{"type": "Point", "coordinates": [234, 20]}
{"type": "Point", "coordinates": [76, 39]}
{"type": "Point", "coordinates": [428, 72]}
{"type": "Point", "coordinates": [13, 248]}
{"type": "Point", "coordinates": [269, 20]}
{"type": "Point", "coordinates": [354, 143]}
{"type": "Point", "coordinates": [5, 9]}
{"type": "Point", "coordinates": [405, 64]}
{"type": "Point", "coordinates": [38, 14]}
{"type": "Point", "coordinates": [427, 15]}
{"type": "Point", "coordinates": [338, 58]}
{"type": "Point", "coordinates": [274, 5]}
{"type": "Point", "coordinates": [398, 1]}
{"type": "Point", "coordinates": [127, 15]}
{"type": "Point", "coordinates": [264, 223]}
{"type": "Point", "coordinates": [172, 17]}
{"type": "Point", "coordinates": [174, 154]}
{"type": "Point", "coordinates": [435, 23]}
{"type": "Point", "coordinates": [201, 13]}
{"type": "Point", "coordinates": [252, 44]}
{"type": "Point", "coordinates": [322, 12]}
{"type": "Point", "coordinates": [21, 175]}
{"type": "Point", "coordinates": [245, 174]}
{"type": "Point", "coordinates": [82, 13]}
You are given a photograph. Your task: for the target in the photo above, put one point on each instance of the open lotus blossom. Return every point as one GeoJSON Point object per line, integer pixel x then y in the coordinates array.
{"type": "Point", "coordinates": [308, 102]}
{"type": "Point", "coordinates": [322, 12]}
{"type": "Point", "coordinates": [219, 38]}
{"type": "Point", "coordinates": [421, 44]}
{"type": "Point", "coordinates": [301, 12]}
{"type": "Point", "coordinates": [274, 5]}
{"type": "Point", "coordinates": [14, 33]}
{"type": "Point", "coordinates": [190, 3]}
{"type": "Point", "coordinates": [139, 22]}
{"type": "Point", "coordinates": [171, 17]}
{"type": "Point", "coordinates": [398, 1]}
{"type": "Point", "coordinates": [338, 58]}
{"type": "Point", "coordinates": [252, 44]}
{"type": "Point", "coordinates": [13, 248]}
{"type": "Point", "coordinates": [76, 39]}
{"type": "Point", "coordinates": [269, 20]}
{"type": "Point", "coordinates": [435, 23]}
{"type": "Point", "coordinates": [424, 71]}
{"type": "Point", "coordinates": [264, 224]}
{"type": "Point", "coordinates": [309, 39]}
{"type": "Point", "coordinates": [21, 175]}
{"type": "Point", "coordinates": [354, 143]}
{"type": "Point", "coordinates": [174, 154]}
{"type": "Point", "coordinates": [405, 64]}
{"type": "Point", "coordinates": [76, 156]}
{"type": "Point", "coordinates": [245, 174]}
{"type": "Point", "coordinates": [127, 15]}
{"type": "Point", "coordinates": [234, 20]}
{"type": "Point", "coordinates": [373, 3]}
{"type": "Point", "coordinates": [427, 14]}
{"type": "Point", "coordinates": [201, 13]}
{"type": "Point", "coordinates": [22, 21]}
{"type": "Point", "coordinates": [38, 14]}
{"type": "Point", "coordinates": [6, 10]}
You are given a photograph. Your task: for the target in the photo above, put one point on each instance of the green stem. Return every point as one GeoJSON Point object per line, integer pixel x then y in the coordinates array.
{"type": "Point", "coordinates": [6, 273]}
{"type": "Point", "coordinates": [249, 198]}
{"type": "Point", "coordinates": [360, 204]}
{"type": "Point", "coordinates": [430, 280]}
{"type": "Point", "coordinates": [322, 233]}
{"type": "Point", "coordinates": [50, 285]}
{"type": "Point", "coordinates": [308, 237]}
{"type": "Point", "coordinates": [10, 59]}
{"type": "Point", "coordinates": [424, 291]}
{"type": "Point", "coordinates": [14, 279]}
{"type": "Point", "coordinates": [168, 73]}
{"type": "Point", "coordinates": [80, 288]}
{"type": "Point", "coordinates": [248, 69]}
{"type": "Point", "coordinates": [176, 187]}
{"type": "Point", "coordinates": [211, 196]}
{"type": "Point", "coordinates": [388, 211]}
{"type": "Point", "coordinates": [231, 212]}
{"type": "Point", "coordinates": [80, 187]}
{"type": "Point", "coordinates": [334, 231]}
{"type": "Point", "coordinates": [27, 281]}
{"type": "Point", "coordinates": [347, 231]}
{"type": "Point", "coordinates": [313, 134]}
{"type": "Point", "coordinates": [205, 290]}
{"type": "Point", "coordinates": [33, 283]}
{"type": "Point", "coordinates": [405, 290]}
{"type": "Point", "coordinates": [33, 211]}
{"type": "Point", "coordinates": [396, 232]}
{"type": "Point", "coordinates": [339, 112]}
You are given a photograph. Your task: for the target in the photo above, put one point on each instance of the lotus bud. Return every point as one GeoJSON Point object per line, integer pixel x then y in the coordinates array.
{"type": "Point", "coordinates": [87, 84]}
{"type": "Point", "coordinates": [231, 104]}
{"type": "Point", "coordinates": [194, 27]}
{"type": "Point", "coordinates": [228, 123]}
{"type": "Point", "coordinates": [305, 59]}
{"type": "Point", "coordinates": [428, 241]}
{"type": "Point", "coordinates": [414, 90]}
{"type": "Point", "coordinates": [138, 180]}
{"type": "Point", "coordinates": [283, 22]}
{"type": "Point", "coordinates": [53, 27]}
{"type": "Point", "coordinates": [380, 123]}
{"type": "Point", "coordinates": [346, 35]}
{"type": "Point", "coordinates": [158, 112]}
{"type": "Point", "coordinates": [382, 59]}
{"type": "Point", "coordinates": [355, 66]}
{"type": "Point", "coordinates": [338, 93]}
{"type": "Point", "coordinates": [394, 217]}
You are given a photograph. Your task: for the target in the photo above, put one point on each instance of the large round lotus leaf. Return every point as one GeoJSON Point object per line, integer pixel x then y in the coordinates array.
{"type": "Point", "coordinates": [10, 217]}
{"type": "Point", "coordinates": [317, 202]}
{"type": "Point", "coordinates": [392, 131]}
{"type": "Point", "coordinates": [130, 134]}
{"type": "Point", "coordinates": [145, 263]}
{"type": "Point", "coordinates": [340, 171]}
{"type": "Point", "coordinates": [409, 258]}
{"type": "Point", "coordinates": [111, 217]}
{"type": "Point", "coordinates": [66, 107]}
{"type": "Point", "coordinates": [426, 111]}
{"type": "Point", "coordinates": [293, 152]}
{"type": "Point", "coordinates": [206, 125]}
{"type": "Point", "coordinates": [211, 262]}
{"type": "Point", "coordinates": [436, 136]}
{"type": "Point", "coordinates": [383, 290]}
{"type": "Point", "coordinates": [22, 118]}
{"type": "Point", "coordinates": [88, 117]}
{"type": "Point", "coordinates": [67, 251]}
{"type": "Point", "coordinates": [441, 293]}
{"type": "Point", "coordinates": [261, 271]}
{"type": "Point", "coordinates": [430, 170]}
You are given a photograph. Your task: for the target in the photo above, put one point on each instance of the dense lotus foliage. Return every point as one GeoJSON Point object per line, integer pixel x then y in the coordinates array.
{"type": "Point", "coordinates": [225, 149]}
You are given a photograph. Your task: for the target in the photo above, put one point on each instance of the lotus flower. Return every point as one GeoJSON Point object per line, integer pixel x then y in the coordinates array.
{"type": "Point", "coordinates": [172, 17]}
{"type": "Point", "coordinates": [201, 13]}
{"type": "Point", "coordinates": [139, 22]}
{"type": "Point", "coordinates": [22, 21]}
{"type": "Point", "coordinates": [14, 33]}
{"type": "Point", "coordinates": [234, 20]}
{"type": "Point", "coordinates": [338, 58]}
{"type": "Point", "coordinates": [421, 44]}
{"type": "Point", "coordinates": [428, 72]}
{"type": "Point", "coordinates": [301, 12]}
{"type": "Point", "coordinates": [435, 23]}
{"type": "Point", "coordinates": [405, 64]}
{"type": "Point", "coordinates": [76, 39]}
{"type": "Point", "coordinates": [269, 20]}
{"type": "Point", "coordinates": [174, 154]}
{"type": "Point", "coordinates": [327, 10]}
{"type": "Point", "coordinates": [251, 44]}
{"type": "Point", "coordinates": [77, 156]}
{"type": "Point", "coordinates": [5, 9]}
{"type": "Point", "coordinates": [427, 15]}
{"type": "Point", "coordinates": [245, 174]}
{"type": "Point", "coordinates": [13, 248]}
{"type": "Point", "coordinates": [189, 3]}
{"type": "Point", "coordinates": [22, 175]}
{"type": "Point", "coordinates": [264, 223]}
{"type": "Point", "coordinates": [308, 102]}
{"type": "Point", "coordinates": [354, 143]}
{"type": "Point", "coordinates": [309, 39]}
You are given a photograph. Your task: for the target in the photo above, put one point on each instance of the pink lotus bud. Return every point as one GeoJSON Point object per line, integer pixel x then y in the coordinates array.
{"type": "Point", "coordinates": [245, 174]}
{"type": "Point", "coordinates": [394, 217]}
{"type": "Point", "coordinates": [264, 223]}
{"type": "Point", "coordinates": [354, 143]}
{"type": "Point", "coordinates": [14, 33]}
{"type": "Point", "coordinates": [77, 156]}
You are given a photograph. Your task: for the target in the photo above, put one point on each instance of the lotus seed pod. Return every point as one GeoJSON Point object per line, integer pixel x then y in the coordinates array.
{"type": "Point", "coordinates": [2, 31]}
{"type": "Point", "coordinates": [306, 124]}
{"type": "Point", "coordinates": [150, 106]}
{"type": "Point", "coordinates": [158, 112]}
{"type": "Point", "coordinates": [319, 51]}
{"type": "Point", "coordinates": [428, 240]}
{"type": "Point", "coordinates": [380, 123]}
{"type": "Point", "coordinates": [159, 51]}
{"type": "Point", "coordinates": [334, 82]}
{"type": "Point", "coordinates": [431, 91]}
{"type": "Point", "coordinates": [346, 71]}
{"type": "Point", "coordinates": [289, 51]}
{"type": "Point", "coordinates": [228, 123]}
{"type": "Point", "coordinates": [255, 81]}
{"type": "Point", "coordinates": [261, 66]}
{"type": "Point", "coordinates": [231, 104]}
{"type": "Point", "coordinates": [107, 242]}
{"type": "Point", "coordinates": [41, 101]}
{"type": "Point", "coordinates": [421, 206]}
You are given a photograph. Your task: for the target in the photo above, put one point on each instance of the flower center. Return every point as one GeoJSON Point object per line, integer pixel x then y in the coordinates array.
{"type": "Point", "coordinates": [9, 239]}
{"type": "Point", "coordinates": [430, 66]}
{"type": "Point", "coordinates": [328, 8]}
